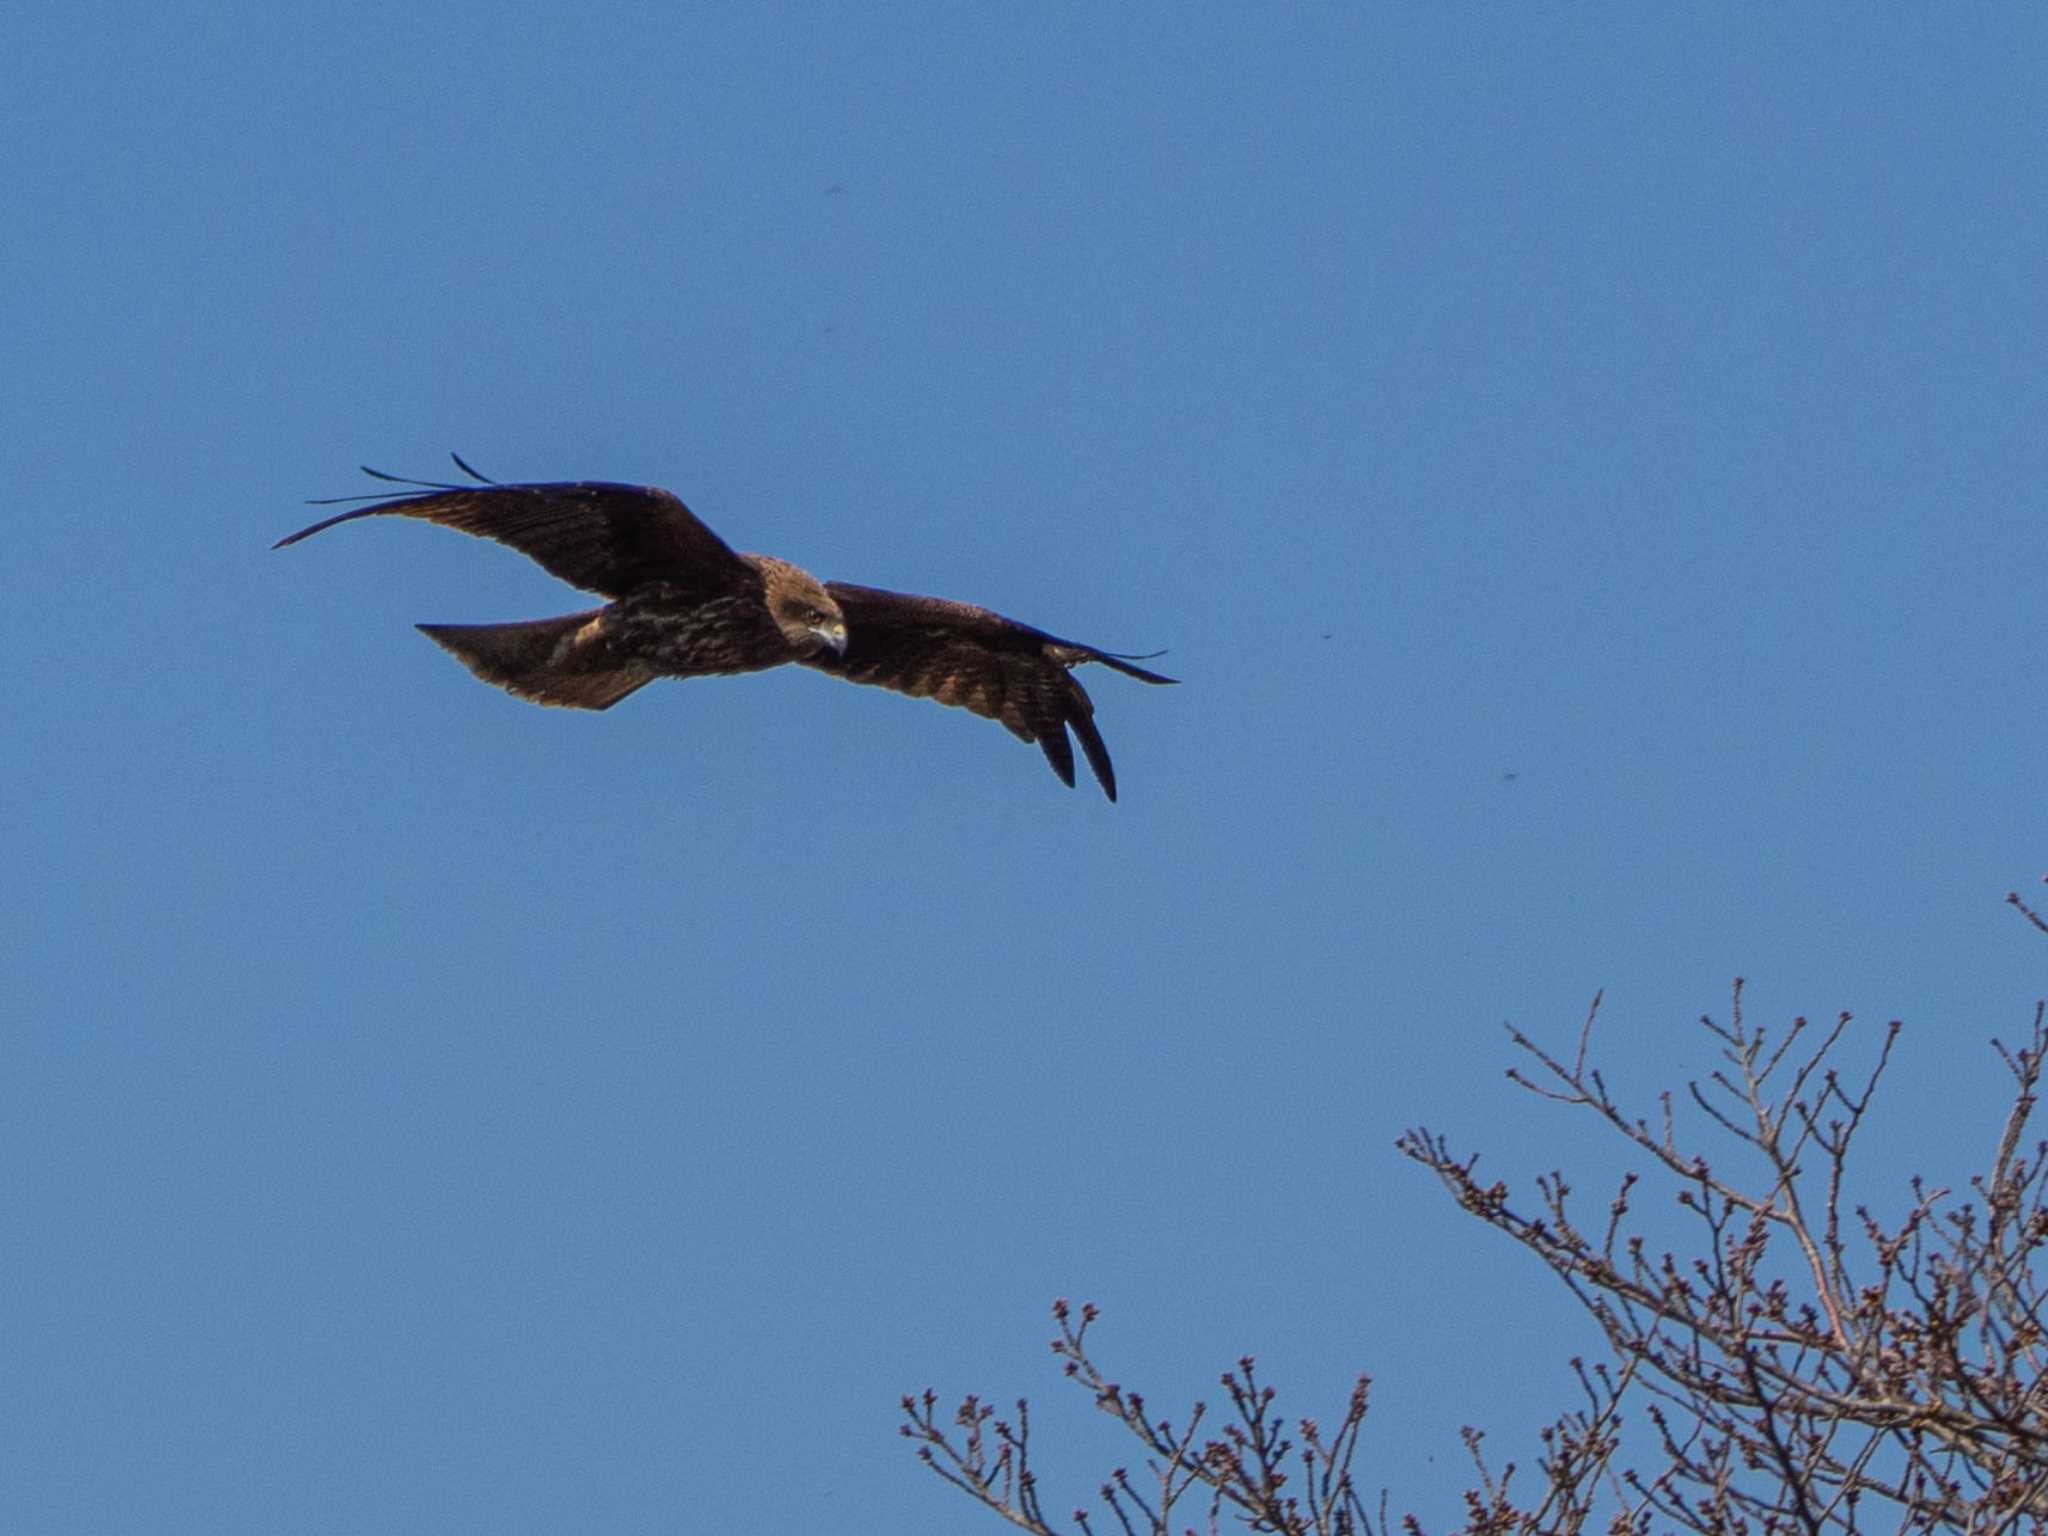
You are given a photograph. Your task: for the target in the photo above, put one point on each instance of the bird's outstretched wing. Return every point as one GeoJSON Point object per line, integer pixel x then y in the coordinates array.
{"type": "Point", "coordinates": [605, 538]}
{"type": "Point", "coordinates": [958, 654]}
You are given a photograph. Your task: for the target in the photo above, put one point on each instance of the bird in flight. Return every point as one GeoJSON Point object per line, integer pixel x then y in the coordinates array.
{"type": "Point", "coordinates": [684, 604]}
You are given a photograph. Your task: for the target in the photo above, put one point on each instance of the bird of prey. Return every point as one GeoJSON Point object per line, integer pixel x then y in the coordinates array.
{"type": "Point", "coordinates": [684, 604]}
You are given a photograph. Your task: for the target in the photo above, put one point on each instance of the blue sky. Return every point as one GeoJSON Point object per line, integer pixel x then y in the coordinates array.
{"type": "Point", "coordinates": [1585, 465]}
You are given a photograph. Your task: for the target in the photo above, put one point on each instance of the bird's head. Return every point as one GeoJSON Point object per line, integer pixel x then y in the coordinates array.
{"type": "Point", "coordinates": [802, 609]}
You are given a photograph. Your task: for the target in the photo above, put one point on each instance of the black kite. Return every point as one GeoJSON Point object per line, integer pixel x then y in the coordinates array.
{"type": "Point", "coordinates": [683, 604]}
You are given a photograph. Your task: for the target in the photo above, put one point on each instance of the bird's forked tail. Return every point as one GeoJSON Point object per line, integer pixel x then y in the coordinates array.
{"type": "Point", "coordinates": [550, 661]}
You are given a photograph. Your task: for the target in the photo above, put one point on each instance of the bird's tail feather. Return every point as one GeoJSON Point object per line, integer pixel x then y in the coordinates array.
{"type": "Point", "coordinates": [550, 661]}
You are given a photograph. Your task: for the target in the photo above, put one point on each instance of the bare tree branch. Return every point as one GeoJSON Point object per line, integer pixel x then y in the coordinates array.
{"type": "Point", "coordinates": [1793, 1366]}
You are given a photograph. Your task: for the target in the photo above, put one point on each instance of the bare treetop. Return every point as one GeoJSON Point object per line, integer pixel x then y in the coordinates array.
{"type": "Point", "coordinates": [1790, 1363]}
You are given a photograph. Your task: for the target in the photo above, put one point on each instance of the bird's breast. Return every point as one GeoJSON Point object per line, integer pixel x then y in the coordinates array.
{"type": "Point", "coordinates": [680, 638]}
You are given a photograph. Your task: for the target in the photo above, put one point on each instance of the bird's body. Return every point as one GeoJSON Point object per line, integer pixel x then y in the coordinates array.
{"type": "Point", "coordinates": [684, 604]}
{"type": "Point", "coordinates": [681, 638]}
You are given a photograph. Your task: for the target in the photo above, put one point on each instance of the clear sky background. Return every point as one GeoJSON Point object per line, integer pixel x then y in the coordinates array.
{"type": "Point", "coordinates": [1586, 465]}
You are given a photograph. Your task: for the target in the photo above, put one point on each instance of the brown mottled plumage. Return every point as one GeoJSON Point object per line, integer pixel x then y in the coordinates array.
{"type": "Point", "coordinates": [684, 604]}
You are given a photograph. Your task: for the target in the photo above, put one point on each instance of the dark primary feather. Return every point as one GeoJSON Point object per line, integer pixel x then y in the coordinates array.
{"type": "Point", "coordinates": [605, 538]}
{"type": "Point", "coordinates": [956, 653]}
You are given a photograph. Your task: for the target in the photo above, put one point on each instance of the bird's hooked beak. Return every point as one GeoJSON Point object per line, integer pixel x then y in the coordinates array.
{"type": "Point", "coordinates": [833, 633]}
